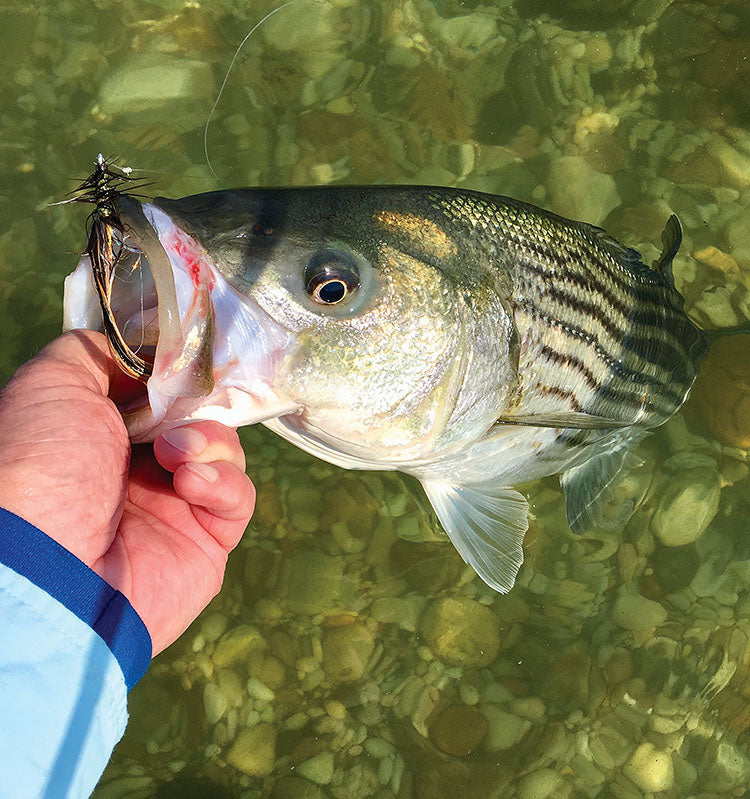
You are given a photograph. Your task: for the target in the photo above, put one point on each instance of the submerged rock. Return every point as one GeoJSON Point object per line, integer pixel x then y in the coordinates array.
{"type": "Point", "coordinates": [346, 651]}
{"type": "Point", "coordinates": [650, 768]}
{"type": "Point", "coordinates": [687, 507]}
{"type": "Point", "coordinates": [254, 751]}
{"type": "Point", "coordinates": [462, 632]}
{"type": "Point", "coordinates": [458, 730]}
{"type": "Point", "coordinates": [146, 83]}
{"type": "Point", "coordinates": [580, 192]}
{"type": "Point", "coordinates": [722, 391]}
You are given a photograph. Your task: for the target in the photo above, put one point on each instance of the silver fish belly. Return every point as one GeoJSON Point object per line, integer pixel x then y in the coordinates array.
{"type": "Point", "coordinates": [472, 341]}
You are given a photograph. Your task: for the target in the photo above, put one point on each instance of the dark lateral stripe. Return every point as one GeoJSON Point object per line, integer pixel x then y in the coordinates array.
{"type": "Point", "coordinates": [585, 283]}
{"type": "Point", "coordinates": [653, 403]}
{"type": "Point", "coordinates": [578, 267]}
{"type": "Point", "coordinates": [560, 393]}
{"type": "Point", "coordinates": [633, 340]}
{"type": "Point", "coordinates": [648, 283]}
{"type": "Point", "coordinates": [615, 366]}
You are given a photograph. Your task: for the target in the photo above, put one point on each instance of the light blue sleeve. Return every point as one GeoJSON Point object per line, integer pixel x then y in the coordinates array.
{"type": "Point", "coordinates": [63, 675]}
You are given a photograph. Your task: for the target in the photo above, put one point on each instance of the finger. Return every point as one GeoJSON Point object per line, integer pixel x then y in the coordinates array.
{"type": "Point", "coordinates": [199, 442]}
{"type": "Point", "coordinates": [221, 495]}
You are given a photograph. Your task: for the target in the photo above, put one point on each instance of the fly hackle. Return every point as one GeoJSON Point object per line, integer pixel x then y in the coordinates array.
{"type": "Point", "coordinates": [106, 247]}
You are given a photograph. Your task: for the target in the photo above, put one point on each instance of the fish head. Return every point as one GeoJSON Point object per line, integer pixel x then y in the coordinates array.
{"type": "Point", "coordinates": [343, 312]}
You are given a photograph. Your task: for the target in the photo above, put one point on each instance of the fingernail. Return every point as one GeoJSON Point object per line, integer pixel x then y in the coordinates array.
{"type": "Point", "coordinates": [205, 471]}
{"type": "Point", "coordinates": [186, 439]}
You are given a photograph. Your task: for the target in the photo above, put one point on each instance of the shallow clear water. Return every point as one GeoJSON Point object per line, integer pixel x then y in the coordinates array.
{"type": "Point", "coordinates": [350, 653]}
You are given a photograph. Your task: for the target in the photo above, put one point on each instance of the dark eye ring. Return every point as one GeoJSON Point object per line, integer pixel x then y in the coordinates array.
{"type": "Point", "coordinates": [330, 277]}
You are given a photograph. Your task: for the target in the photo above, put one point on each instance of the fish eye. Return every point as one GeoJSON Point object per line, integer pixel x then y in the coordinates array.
{"type": "Point", "coordinates": [331, 276]}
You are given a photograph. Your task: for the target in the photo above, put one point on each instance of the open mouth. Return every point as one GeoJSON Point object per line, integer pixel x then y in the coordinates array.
{"type": "Point", "coordinates": [133, 301]}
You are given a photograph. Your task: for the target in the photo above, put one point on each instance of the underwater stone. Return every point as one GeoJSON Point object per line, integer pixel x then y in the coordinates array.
{"type": "Point", "coordinates": [236, 645]}
{"type": "Point", "coordinates": [318, 769]}
{"type": "Point", "coordinates": [144, 84]}
{"type": "Point", "coordinates": [650, 768]}
{"type": "Point", "coordinates": [608, 748]}
{"type": "Point", "coordinates": [213, 626]}
{"type": "Point", "coordinates": [395, 610]}
{"type": "Point", "coordinates": [458, 730]}
{"type": "Point", "coordinates": [254, 751]}
{"type": "Point", "coordinates": [635, 613]}
{"type": "Point", "coordinates": [297, 788]}
{"type": "Point", "coordinates": [312, 582]}
{"type": "Point", "coordinates": [462, 632]}
{"type": "Point", "coordinates": [722, 391]}
{"type": "Point", "coordinates": [346, 651]}
{"type": "Point", "coordinates": [215, 704]}
{"type": "Point", "coordinates": [675, 567]}
{"type": "Point", "coordinates": [580, 192]}
{"type": "Point", "coordinates": [503, 729]}
{"type": "Point", "coordinates": [730, 769]}
{"type": "Point", "coordinates": [539, 785]}
{"type": "Point", "coordinates": [469, 31]}
{"type": "Point", "coordinates": [687, 507]}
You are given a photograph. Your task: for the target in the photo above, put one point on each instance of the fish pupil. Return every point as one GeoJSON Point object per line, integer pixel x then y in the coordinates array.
{"type": "Point", "coordinates": [331, 276]}
{"type": "Point", "coordinates": [332, 291]}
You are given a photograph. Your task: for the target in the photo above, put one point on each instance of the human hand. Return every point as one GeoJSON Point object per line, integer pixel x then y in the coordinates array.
{"type": "Point", "coordinates": [156, 524]}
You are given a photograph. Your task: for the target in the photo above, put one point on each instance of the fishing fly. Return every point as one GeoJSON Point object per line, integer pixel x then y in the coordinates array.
{"type": "Point", "coordinates": [106, 247]}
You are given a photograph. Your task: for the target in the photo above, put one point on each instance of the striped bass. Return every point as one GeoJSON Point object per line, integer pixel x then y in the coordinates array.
{"type": "Point", "coordinates": [472, 341]}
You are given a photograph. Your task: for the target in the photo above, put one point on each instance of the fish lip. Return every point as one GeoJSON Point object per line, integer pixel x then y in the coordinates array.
{"type": "Point", "coordinates": [247, 346]}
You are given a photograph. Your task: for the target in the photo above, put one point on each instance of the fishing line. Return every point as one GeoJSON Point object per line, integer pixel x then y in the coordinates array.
{"type": "Point", "coordinates": [229, 69]}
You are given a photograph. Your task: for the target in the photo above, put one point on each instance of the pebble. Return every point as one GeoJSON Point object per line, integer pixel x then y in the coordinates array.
{"type": "Point", "coordinates": [378, 747]}
{"type": "Point", "coordinates": [297, 788]}
{"type": "Point", "coordinates": [504, 730]}
{"type": "Point", "coordinates": [730, 769]}
{"type": "Point", "coordinates": [215, 704]}
{"type": "Point", "coordinates": [462, 632]}
{"type": "Point", "coordinates": [578, 191]}
{"type": "Point", "coordinates": [675, 567]}
{"type": "Point", "coordinates": [687, 506]}
{"type": "Point", "coordinates": [650, 768]}
{"type": "Point", "coordinates": [317, 769]}
{"type": "Point", "coordinates": [145, 83]}
{"type": "Point", "coordinates": [213, 626]}
{"type": "Point", "coordinates": [236, 645]}
{"type": "Point", "coordinates": [458, 730]}
{"type": "Point", "coordinates": [254, 751]}
{"type": "Point", "coordinates": [539, 785]}
{"type": "Point", "coordinates": [634, 612]}
{"type": "Point", "coordinates": [722, 391]}
{"type": "Point", "coordinates": [335, 709]}
{"type": "Point", "coordinates": [259, 690]}
{"type": "Point", "coordinates": [395, 610]}
{"type": "Point", "coordinates": [530, 707]}
{"type": "Point", "coordinates": [311, 582]}
{"type": "Point", "coordinates": [346, 651]}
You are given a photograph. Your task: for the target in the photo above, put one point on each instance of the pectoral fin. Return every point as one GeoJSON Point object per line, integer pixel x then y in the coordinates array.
{"type": "Point", "coordinates": [570, 420]}
{"type": "Point", "coordinates": [588, 489]}
{"type": "Point", "coordinates": [486, 524]}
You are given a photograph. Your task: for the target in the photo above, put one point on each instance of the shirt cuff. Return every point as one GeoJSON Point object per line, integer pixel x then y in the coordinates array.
{"type": "Point", "coordinates": [41, 560]}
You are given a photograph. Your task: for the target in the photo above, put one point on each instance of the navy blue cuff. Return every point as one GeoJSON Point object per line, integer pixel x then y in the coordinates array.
{"type": "Point", "coordinates": [47, 564]}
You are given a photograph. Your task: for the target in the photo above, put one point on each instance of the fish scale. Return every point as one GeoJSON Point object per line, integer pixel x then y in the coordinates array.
{"type": "Point", "coordinates": [581, 309]}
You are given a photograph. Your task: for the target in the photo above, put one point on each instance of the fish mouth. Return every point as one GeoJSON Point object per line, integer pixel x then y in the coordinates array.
{"type": "Point", "coordinates": [207, 351]}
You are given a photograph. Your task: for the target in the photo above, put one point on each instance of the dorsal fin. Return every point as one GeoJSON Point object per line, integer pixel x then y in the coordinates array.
{"type": "Point", "coordinates": [671, 238]}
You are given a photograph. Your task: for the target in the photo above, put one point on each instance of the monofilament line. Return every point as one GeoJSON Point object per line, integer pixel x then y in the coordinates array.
{"type": "Point", "coordinates": [226, 77]}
